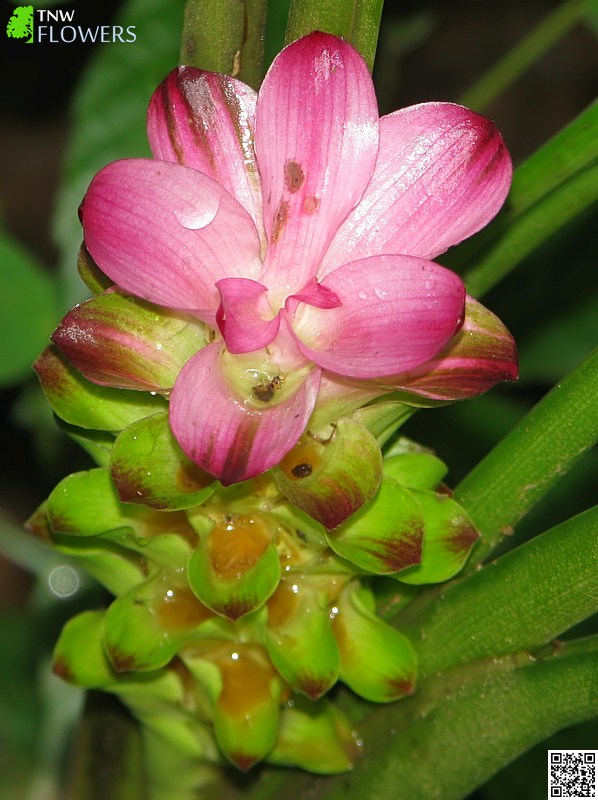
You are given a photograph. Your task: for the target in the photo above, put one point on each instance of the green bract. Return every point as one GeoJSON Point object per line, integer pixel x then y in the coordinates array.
{"type": "Point", "coordinates": [250, 596]}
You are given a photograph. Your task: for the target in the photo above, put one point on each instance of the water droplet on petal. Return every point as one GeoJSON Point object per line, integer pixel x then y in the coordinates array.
{"type": "Point", "coordinates": [380, 293]}
{"type": "Point", "coordinates": [196, 218]}
{"type": "Point", "coordinates": [362, 296]}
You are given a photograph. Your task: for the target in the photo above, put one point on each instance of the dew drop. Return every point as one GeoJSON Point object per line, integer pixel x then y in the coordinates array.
{"type": "Point", "coordinates": [381, 294]}
{"type": "Point", "coordinates": [363, 296]}
{"type": "Point", "coordinates": [195, 219]}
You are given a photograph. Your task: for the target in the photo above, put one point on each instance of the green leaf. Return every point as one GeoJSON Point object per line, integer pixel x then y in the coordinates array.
{"type": "Point", "coordinates": [415, 470]}
{"type": "Point", "coordinates": [377, 661]}
{"type": "Point", "coordinates": [89, 272]}
{"type": "Point", "coordinates": [526, 464]}
{"type": "Point", "coordinates": [525, 53]}
{"type": "Point", "coordinates": [236, 567]}
{"type": "Point", "coordinates": [149, 467]}
{"type": "Point", "coordinates": [84, 404]}
{"type": "Point", "coordinates": [298, 616]}
{"type": "Point", "coordinates": [357, 21]}
{"type": "Point", "coordinates": [79, 655]}
{"type": "Point", "coordinates": [145, 628]}
{"type": "Point", "coordinates": [85, 505]}
{"type": "Point", "coordinates": [385, 535]}
{"type": "Point", "coordinates": [248, 707]}
{"type": "Point", "coordinates": [109, 114]}
{"type": "Point", "coordinates": [29, 309]}
{"type": "Point", "coordinates": [314, 736]}
{"type": "Point", "coordinates": [449, 535]}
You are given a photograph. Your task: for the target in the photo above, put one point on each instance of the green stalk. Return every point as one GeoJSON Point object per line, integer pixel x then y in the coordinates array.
{"type": "Point", "coordinates": [519, 603]}
{"type": "Point", "coordinates": [514, 476]}
{"type": "Point", "coordinates": [555, 184]}
{"type": "Point", "coordinates": [357, 21]}
{"type": "Point", "coordinates": [462, 728]}
{"type": "Point", "coordinates": [225, 36]}
{"type": "Point", "coordinates": [531, 48]}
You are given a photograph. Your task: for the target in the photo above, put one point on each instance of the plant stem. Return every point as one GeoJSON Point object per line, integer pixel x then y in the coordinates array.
{"type": "Point", "coordinates": [532, 47]}
{"type": "Point", "coordinates": [357, 21]}
{"type": "Point", "coordinates": [225, 36]}
{"type": "Point", "coordinates": [527, 598]}
{"type": "Point", "coordinates": [502, 488]}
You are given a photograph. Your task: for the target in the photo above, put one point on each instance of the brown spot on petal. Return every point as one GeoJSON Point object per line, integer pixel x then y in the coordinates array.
{"type": "Point", "coordinates": [235, 609]}
{"type": "Point", "coordinates": [122, 662]}
{"type": "Point", "coordinates": [38, 525]}
{"type": "Point", "coordinates": [311, 204]}
{"type": "Point", "coordinates": [314, 688]}
{"type": "Point", "coordinates": [294, 176]}
{"type": "Point", "coordinates": [280, 220]}
{"type": "Point", "coordinates": [62, 670]}
{"type": "Point", "coordinates": [397, 554]}
{"type": "Point", "coordinates": [462, 539]}
{"type": "Point", "coordinates": [243, 761]}
{"type": "Point", "coordinates": [400, 687]}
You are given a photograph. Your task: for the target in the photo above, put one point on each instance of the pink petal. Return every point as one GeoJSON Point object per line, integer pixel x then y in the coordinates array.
{"type": "Point", "coordinates": [442, 173]}
{"type": "Point", "coordinates": [167, 233]}
{"type": "Point", "coordinates": [206, 121]}
{"type": "Point", "coordinates": [243, 316]}
{"type": "Point", "coordinates": [314, 294]}
{"type": "Point", "coordinates": [396, 313]}
{"type": "Point", "coordinates": [481, 354]}
{"type": "Point", "coordinates": [223, 431]}
{"type": "Point", "coordinates": [316, 142]}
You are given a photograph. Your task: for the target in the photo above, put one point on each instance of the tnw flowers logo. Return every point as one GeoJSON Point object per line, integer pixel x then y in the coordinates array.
{"type": "Point", "coordinates": [54, 26]}
{"type": "Point", "coordinates": [20, 25]}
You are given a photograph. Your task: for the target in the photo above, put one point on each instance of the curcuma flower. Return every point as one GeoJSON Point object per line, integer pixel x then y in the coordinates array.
{"type": "Point", "coordinates": [300, 228]}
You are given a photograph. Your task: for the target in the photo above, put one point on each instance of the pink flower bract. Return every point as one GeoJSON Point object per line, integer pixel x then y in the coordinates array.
{"type": "Point", "coordinates": [301, 228]}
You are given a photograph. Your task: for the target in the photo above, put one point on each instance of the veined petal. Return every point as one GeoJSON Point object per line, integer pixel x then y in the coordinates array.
{"type": "Point", "coordinates": [316, 142]}
{"type": "Point", "coordinates": [167, 233]}
{"type": "Point", "coordinates": [228, 434]}
{"type": "Point", "coordinates": [396, 313]}
{"type": "Point", "coordinates": [442, 173]}
{"type": "Point", "coordinates": [481, 354]}
{"type": "Point", "coordinates": [116, 340]}
{"type": "Point", "coordinates": [243, 315]}
{"type": "Point", "coordinates": [206, 121]}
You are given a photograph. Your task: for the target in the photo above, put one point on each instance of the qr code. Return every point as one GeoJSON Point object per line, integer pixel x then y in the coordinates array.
{"type": "Point", "coordinates": [571, 774]}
